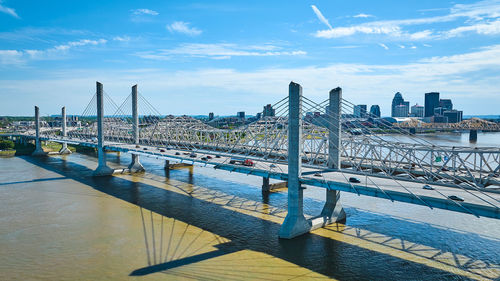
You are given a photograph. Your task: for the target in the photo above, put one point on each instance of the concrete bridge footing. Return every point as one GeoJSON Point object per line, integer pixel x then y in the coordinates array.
{"type": "Point", "coordinates": [136, 166]}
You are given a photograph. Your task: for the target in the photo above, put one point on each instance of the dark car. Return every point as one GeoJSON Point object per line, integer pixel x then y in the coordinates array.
{"type": "Point", "coordinates": [354, 180]}
{"type": "Point", "coordinates": [145, 148]}
{"type": "Point", "coordinates": [456, 198]}
{"type": "Point", "coordinates": [203, 158]}
{"type": "Point", "coordinates": [192, 155]}
{"type": "Point", "coordinates": [177, 153]}
{"type": "Point", "coordinates": [162, 150]}
{"type": "Point", "coordinates": [217, 156]}
{"type": "Point", "coordinates": [209, 157]}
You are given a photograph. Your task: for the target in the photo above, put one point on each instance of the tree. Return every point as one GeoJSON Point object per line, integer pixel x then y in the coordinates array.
{"type": "Point", "coordinates": [6, 144]}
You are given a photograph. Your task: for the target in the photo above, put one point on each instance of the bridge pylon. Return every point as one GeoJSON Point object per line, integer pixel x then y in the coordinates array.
{"type": "Point", "coordinates": [38, 144]}
{"type": "Point", "coordinates": [102, 168]}
{"type": "Point", "coordinates": [136, 165]}
{"type": "Point", "coordinates": [332, 211]}
{"type": "Point", "coordinates": [295, 223]}
{"type": "Point", "coordinates": [64, 149]}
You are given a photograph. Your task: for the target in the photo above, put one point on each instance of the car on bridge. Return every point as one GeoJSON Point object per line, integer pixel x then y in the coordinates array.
{"type": "Point", "coordinates": [242, 161]}
{"type": "Point", "coordinates": [354, 180]}
{"type": "Point", "coordinates": [427, 187]}
{"type": "Point", "coordinates": [455, 198]}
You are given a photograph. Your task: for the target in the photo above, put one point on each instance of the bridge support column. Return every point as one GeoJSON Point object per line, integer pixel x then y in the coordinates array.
{"type": "Point", "coordinates": [136, 165]}
{"type": "Point", "coordinates": [332, 211]}
{"type": "Point", "coordinates": [295, 223]}
{"type": "Point", "coordinates": [473, 135]}
{"type": "Point", "coordinates": [64, 149]}
{"type": "Point", "coordinates": [265, 184]}
{"type": "Point", "coordinates": [38, 144]}
{"type": "Point", "coordinates": [102, 168]}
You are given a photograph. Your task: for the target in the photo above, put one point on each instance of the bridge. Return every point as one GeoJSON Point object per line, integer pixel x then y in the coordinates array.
{"type": "Point", "coordinates": [472, 125]}
{"type": "Point", "coordinates": [286, 147]}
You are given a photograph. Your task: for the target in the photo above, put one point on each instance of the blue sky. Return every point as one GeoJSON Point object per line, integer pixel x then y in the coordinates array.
{"type": "Point", "coordinates": [227, 56]}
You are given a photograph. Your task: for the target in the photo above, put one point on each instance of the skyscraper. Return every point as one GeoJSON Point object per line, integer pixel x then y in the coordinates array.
{"type": "Point", "coordinates": [401, 110]}
{"type": "Point", "coordinates": [360, 111]}
{"type": "Point", "coordinates": [446, 104]}
{"type": "Point", "coordinates": [268, 110]}
{"type": "Point", "coordinates": [417, 111]}
{"type": "Point", "coordinates": [431, 102]}
{"type": "Point", "coordinates": [375, 111]}
{"type": "Point", "coordinates": [398, 100]}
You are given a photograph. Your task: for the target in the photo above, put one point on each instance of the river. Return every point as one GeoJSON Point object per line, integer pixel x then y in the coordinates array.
{"type": "Point", "coordinates": [59, 223]}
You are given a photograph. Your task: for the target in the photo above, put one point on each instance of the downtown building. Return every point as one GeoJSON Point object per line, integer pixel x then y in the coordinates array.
{"type": "Point", "coordinates": [400, 107]}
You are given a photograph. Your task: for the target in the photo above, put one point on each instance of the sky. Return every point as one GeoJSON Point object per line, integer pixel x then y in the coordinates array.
{"type": "Point", "coordinates": [195, 57]}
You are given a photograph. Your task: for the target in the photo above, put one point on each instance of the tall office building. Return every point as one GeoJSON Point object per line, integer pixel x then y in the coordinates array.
{"type": "Point", "coordinates": [398, 100]}
{"type": "Point", "coordinates": [375, 111]}
{"type": "Point", "coordinates": [268, 110]}
{"type": "Point", "coordinates": [210, 116]}
{"type": "Point", "coordinates": [446, 104]}
{"type": "Point", "coordinates": [360, 111]}
{"type": "Point", "coordinates": [241, 114]}
{"type": "Point", "coordinates": [417, 111]}
{"type": "Point", "coordinates": [454, 116]}
{"type": "Point", "coordinates": [431, 102]}
{"type": "Point", "coordinates": [401, 110]}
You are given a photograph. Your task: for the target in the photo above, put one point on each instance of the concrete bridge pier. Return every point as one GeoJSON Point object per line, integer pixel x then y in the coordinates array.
{"type": "Point", "coordinates": [136, 165]}
{"type": "Point", "coordinates": [295, 223]}
{"type": "Point", "coordinates": [38, 144]}
{"type": "Point", "coordinates": [265, 185]}
{"type": "Point", "coordinates": [332, 211]}
{"type": "Point", "coordinates": [473, 135]}
{"type": "Point", "coordinates": [64, 149]}
{"type": "Point", "coordinates": [102, 168]}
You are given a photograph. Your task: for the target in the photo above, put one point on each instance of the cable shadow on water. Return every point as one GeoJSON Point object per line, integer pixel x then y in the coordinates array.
{"type": "Point", "coordinates": [242, 229]}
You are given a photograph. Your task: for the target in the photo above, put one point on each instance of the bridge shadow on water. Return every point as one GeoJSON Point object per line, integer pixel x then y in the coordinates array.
{"type": "Point", "coordinates": [200, 231]}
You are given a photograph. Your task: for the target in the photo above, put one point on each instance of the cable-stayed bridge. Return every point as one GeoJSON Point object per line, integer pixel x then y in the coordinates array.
{"type": "Point", "coordinates": [290, 147]}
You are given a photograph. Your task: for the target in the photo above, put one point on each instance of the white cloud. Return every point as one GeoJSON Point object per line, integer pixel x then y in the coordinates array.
{"type": "Point", "coordinates": [20, 57]}
{"type": "Point", "coordinates": [383, 46]}
{"type": "Point", "coordinates": [219, 51]}
{"type": "Point", "coordinates": [183, 27]}
{"type": "Point", "coordinates": [121, 38]}
{"type": "Point", "coordinates": [8, 10]}
{"type": "Point", "coordinates": [480, 14]}
{"type": "Point", "coordinates": [144, 12]}
{"type": "Point", "coordinates": [401, 46]}
{"type": "Point", "coordinates": [362, 16]}
{"type": "Point", "coordinates": [425, 34]}
{"type": "Point", "coordinates": [320, 16]}
{"type": "Point", "coordinates": [11, 57]}
{"type": "Point", "coordinates": [489, 28]}
{"type": "Point", "coordinates": [366, 29]}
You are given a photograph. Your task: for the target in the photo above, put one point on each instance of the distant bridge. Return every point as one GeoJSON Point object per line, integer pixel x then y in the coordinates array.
{"type": "Point", "coordinates": [473, 125]}
{"type": "Point", "coordinates": [288, 148]}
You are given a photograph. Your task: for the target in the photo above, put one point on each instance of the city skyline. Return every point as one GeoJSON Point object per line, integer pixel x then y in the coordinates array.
{"type": "Point", "coordinates": [192, 58]}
